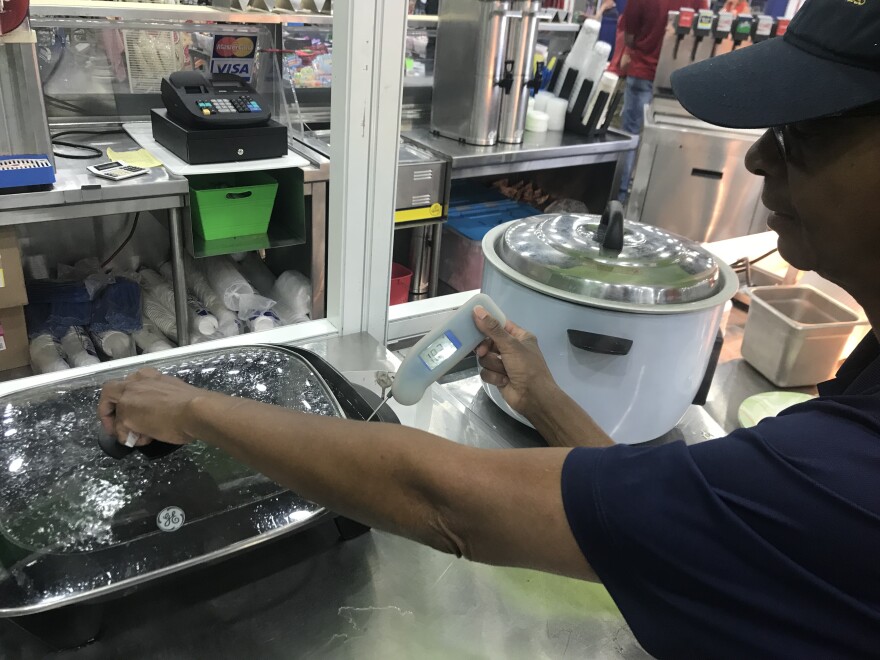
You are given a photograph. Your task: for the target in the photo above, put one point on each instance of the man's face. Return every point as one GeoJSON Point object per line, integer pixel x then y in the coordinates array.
{"type": "Point", "coordinates": [825, 196]}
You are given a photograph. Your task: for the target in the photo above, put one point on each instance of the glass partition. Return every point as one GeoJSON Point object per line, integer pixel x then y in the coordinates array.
{"type": "Point", "coordinates": [92, 70]}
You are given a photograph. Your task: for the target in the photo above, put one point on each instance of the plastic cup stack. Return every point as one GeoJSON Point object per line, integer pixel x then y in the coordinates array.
{"type": "Point", "coordinates": [583, 45]}
{"type": "Point", "coordinates": [556, 109]}
{"type": "Point", "coordinates": [537, 122]}
{"type": "Point", "coordinates": [594, 65]}
{"type": "Point", "coordinates": [79, 348]}
{"type": "Point", "coordinates": [46, 355]}
{"type": "Point", "coordinates": [542, 99]}
{"type": "Point", "coordinates": [608, 84]}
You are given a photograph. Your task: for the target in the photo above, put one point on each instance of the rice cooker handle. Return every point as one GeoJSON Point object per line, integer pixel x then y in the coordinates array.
{"type": "Point", "coordinates": [611, 227]}
{"type": "Point", "coordinates": [597, 343]}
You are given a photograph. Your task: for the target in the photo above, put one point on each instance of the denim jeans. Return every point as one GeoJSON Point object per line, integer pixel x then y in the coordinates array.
{"type": "Point", "coordinates": [637, 94]}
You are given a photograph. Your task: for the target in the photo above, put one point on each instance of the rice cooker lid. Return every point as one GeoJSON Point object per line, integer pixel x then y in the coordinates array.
{"type": "Point", "coordinates": [608, 258]}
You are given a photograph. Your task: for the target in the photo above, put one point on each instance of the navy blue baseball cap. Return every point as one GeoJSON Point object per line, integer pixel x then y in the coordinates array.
{"type": "Point", "coordinates": [827, 63]}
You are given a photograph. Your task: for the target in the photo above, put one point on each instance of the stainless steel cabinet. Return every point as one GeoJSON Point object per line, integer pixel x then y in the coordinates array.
{"type": "Point", "coordinates": [690, 178]}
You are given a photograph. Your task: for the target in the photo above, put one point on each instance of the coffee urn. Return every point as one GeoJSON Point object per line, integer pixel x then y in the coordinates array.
{"type": "Point", "coordinates": [522, 35]}
{"type": "Point", "coordinates": [469, 69]}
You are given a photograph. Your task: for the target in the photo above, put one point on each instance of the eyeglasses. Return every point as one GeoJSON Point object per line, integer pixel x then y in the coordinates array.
{"type": "Point", "coordinates": [781, 142]}
{"type": "Point", "coordinates": [782, 133]}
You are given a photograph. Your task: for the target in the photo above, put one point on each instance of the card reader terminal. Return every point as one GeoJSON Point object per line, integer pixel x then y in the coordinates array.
{"type": "Point", "coordinates": [222, 100]}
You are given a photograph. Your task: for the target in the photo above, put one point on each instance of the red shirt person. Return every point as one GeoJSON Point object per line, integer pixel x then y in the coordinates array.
{"type": "Point", "coordinates": [643, 24]}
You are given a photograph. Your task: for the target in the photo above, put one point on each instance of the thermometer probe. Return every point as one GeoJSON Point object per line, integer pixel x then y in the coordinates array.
{"type": "Point", "coordinates": [439, 351]}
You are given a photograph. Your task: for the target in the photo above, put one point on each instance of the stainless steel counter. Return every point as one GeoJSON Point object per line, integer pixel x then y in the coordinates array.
{"type": "Point", "coordinates": [538, 151]}
{"type": "Point", "coordinates": [310, 596]}
{"type": "Point", "coordinates": [78, 193]}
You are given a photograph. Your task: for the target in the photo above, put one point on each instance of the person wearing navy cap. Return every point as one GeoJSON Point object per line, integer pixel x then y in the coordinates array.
{"type": "Point", "coordinates": [761, 544]}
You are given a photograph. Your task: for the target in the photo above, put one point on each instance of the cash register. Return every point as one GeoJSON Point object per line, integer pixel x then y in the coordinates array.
{"type": "Point", "coordinates": [216, 119]}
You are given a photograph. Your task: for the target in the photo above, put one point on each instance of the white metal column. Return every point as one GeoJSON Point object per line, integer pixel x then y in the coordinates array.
{"type": "Point", "coordinates": [368, 45]}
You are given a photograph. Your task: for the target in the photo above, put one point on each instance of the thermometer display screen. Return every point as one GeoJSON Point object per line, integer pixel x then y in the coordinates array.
{"type": "Point", "coordinates": [440, 350]}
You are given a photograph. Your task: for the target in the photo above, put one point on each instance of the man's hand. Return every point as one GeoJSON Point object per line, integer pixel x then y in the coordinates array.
{"type": "Point", "coordinates": [148, 405]}
{"type": "Point", "coordinates": [625, 59]}
{"type": "Point", "coordinates": [512, 361]}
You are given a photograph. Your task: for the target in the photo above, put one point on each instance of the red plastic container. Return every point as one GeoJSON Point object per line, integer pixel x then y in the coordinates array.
{"type": "Point", "coordinates": [401, 277]}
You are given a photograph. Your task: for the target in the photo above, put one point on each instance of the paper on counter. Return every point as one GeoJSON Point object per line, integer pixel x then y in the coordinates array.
{"type": "Point", "coordinates": [135, 157]}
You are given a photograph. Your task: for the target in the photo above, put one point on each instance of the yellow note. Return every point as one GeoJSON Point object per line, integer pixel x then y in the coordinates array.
{"type": "Point", "coordinates": [137, 157]}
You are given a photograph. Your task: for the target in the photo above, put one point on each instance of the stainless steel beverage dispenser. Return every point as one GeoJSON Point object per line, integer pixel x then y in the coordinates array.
{"type": "Point", "coordinates": [522, 35]}
{"type": "Point", "coordinates": [469, 70]}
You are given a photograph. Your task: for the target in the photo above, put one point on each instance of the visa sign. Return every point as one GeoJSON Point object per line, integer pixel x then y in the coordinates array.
{"type": "Point", "coordinates": [236, 67]}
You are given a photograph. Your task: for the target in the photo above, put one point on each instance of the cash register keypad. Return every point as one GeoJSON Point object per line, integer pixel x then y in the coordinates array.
{"type": "Point", "coordinates": [236, 104]}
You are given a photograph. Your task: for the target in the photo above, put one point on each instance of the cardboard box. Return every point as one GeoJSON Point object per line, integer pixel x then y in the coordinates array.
{"type": "Point", "coordinates": [14, 351]}
{"type": "Point", "coordinates": [12, 289]}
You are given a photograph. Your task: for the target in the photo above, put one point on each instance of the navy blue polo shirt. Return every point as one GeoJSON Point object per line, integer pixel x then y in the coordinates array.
{"type": "Point", "coordinates": [762, 544]}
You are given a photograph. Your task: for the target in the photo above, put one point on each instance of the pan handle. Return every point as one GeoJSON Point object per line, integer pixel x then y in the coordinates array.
{"type": "Point", "coordinates": [598, 343]}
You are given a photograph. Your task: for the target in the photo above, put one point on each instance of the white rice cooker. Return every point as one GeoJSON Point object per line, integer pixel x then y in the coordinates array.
{"type": "Point", "coordinates": [626, 314]}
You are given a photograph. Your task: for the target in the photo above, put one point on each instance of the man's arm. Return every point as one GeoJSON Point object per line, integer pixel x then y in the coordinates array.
{"type": "Point", "coordinates": [630, 21]}
{"type": "Point", "coordinates": [493, 506]}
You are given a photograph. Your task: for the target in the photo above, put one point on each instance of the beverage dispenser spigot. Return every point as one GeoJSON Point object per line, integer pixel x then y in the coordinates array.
{"type": "Point", "coordinates": [535, 83]}
{"type": "Point", "coordinates": [721, 30]}
{"type": "Point", "coordinates": [781, 27]}
{"type": "Point", "coordinates": [684, 23]}
{"type": "Point", "coordinates": [762, 29]}
{"type": "Point", "coordinates": [742, 29]}
{"type": "Point", "coordinates": [702, 29]}
{"type": "Point", "coordinates": [505, 82]}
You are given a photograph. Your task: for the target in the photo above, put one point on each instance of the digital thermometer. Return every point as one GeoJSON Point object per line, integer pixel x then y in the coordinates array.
{"type": "Point", "coordinates": [439, 351]}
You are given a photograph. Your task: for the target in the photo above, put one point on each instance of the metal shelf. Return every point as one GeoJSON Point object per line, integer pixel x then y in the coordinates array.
{"type": "Point", "coordinates": [418, 223]}
{"type": "Point", "coordinates": [168, 12]}
{"type": "Point", "coordinates": [202, 248]}
{"type": "Point", "coordinates": [144, 11]}
{"type": "Point", "coordinates": [308, 19]}
{"type": "Point", "coordinates": [77, 193]}
{"type": "Point", "coordinates": [546, 26]}
{"type": "Point", "coordinates": [549, 150]}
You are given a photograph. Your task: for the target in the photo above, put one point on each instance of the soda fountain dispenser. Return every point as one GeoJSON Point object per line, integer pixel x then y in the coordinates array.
{"type": "Point", "coordinates": [763, 29]}
{"type": "Point", "coordinates": [721, 30]}
{"type": "Point", "coordinates": [742, 29]}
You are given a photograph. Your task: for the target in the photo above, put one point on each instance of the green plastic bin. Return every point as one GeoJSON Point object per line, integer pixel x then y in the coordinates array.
{"type": "Point", "coordinates": [231, 205]}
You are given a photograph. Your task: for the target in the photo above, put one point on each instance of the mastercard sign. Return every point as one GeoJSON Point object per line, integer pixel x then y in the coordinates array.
{"type": "Point", "coordinates": [239, 47]}
{"type": "Point", "coordinates": [234, 55]}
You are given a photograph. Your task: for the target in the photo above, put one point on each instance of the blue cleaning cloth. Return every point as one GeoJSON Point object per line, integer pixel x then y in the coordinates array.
{"type": "Point", "coordinates": [55, 306]}
{"type": "Point", "coordinates": [55, 319]}
{"type": "Point", "coordinates": [51, 291]}
{"type": "Point", "coordinates": [118, 307]}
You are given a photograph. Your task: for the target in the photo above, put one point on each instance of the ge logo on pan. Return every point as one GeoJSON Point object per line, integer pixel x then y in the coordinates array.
{"type": "Point", "coordinates": [170, 519]}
